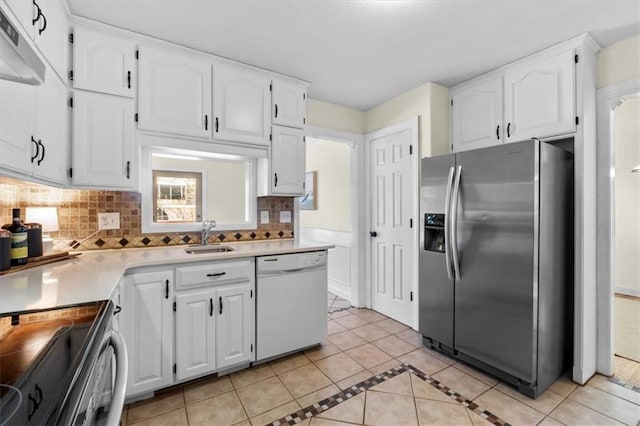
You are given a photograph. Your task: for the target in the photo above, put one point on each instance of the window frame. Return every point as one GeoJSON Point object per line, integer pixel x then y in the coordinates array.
{"type": "Point", "coordinates": [200, 177]}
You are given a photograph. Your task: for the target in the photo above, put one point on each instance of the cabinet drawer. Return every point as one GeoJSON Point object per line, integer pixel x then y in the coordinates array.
{"type": "Point", "coordinates": [213, 273]}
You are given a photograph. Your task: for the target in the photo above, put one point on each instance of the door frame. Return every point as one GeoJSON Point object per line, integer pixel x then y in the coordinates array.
{"type": "Point", "coordinates": [412, 125]}
{"type": "Point", "coordinates": [356, 142]}
{"type": "Point", "coordinates": [609, 98]}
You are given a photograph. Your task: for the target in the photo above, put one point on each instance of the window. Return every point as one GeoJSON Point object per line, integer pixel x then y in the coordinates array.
{"type": "Point", "coordinates": [182, 188]}
{"type": "Point", "coordinates": [177, 197]}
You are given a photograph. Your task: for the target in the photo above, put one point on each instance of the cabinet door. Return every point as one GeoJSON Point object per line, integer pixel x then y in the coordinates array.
{"type": "Point", "coordinates": [53, 116]}
{"type": "Point", "coordinates": [17, 126]}
{"type": "Point", "coordinates": [241, 105]}
{"type": "Point", "coordinates": [103, 63]}
{"type": "Point", "coordinates": [174, 94]}
{"type": "Point", "coordinates": [234, 326]}
{"type": "Point", "coordinates": [540, 98]}
{"type": "Point", "coordinates": [287, 161]}
{"type": "Point", "coordinates": [289, 104]}
{"type": "Point", "coordinates": [195, 333]}
{"type": "Point", "coordinates": [476, 115]}
{"type": "Point", "coordinates": [103, 152]}
{"type": "Point", "coordinates": [25, 11]}
{"type": "Point", "coordinates": [51, 35]}
{"type": "Point", "coordinates": [147, 327]}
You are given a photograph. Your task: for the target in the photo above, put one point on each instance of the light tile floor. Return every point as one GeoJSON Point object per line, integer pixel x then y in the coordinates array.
{"type": "Point", "coordinates": [361, 344]}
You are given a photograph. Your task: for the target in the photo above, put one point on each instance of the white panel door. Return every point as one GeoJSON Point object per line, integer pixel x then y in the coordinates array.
{"type": "Point", "coordinates": [174, 95]}
{"type": "Point", "coordinates": [18, 143]}
{"type": "Point", "coordinates": [393, 242]}
{"type": "Point", "coordinates": [51, 35]}
{"type": "Point", "coordinates": [288, 157]}
{"type": "Point", "coordinates": [234, 325]}
{"type": "Point", "coordinates": [26, 11]}
{"type": "Point", "coordinates": [103, 63]}
{"type": "Point", "coordinates": [241, 105]}
{"type": "Point", "coordinates": [540, 98]}
{"type": "Point", "coordinates": [53, 117]}
{"type": "Point", "coordinates": [195, 333]}
{"type": "Point", "coordinates": [103, 152]}
{"type": "Point", "coordinates": [289, 104]}
{"type": "Point", "coordinates": [476, 115]}
{"type": "Point", "coordinates": [147, 327]}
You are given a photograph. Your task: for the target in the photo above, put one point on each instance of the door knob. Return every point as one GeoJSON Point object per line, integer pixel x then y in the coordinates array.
{"type": "Point", "coordinates": [373, 234]}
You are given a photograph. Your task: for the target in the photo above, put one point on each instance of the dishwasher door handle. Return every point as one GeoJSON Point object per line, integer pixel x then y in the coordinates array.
{"type": "Point", "coordinates": [291, 271]}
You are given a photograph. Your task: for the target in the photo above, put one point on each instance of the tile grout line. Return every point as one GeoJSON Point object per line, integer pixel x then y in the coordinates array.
{"type": "Point", "coordinates": [358, 388]}
{"type": "Point", "coordinates": [624, 384]}
{"type": "Point", "coordinates": [592, 408]}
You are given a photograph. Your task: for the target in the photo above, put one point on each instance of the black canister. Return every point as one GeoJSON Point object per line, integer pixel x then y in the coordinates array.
{"type": "Point", "coordinates": [5, 250]}
{"type": "Point", "coordinates": [34, 238]}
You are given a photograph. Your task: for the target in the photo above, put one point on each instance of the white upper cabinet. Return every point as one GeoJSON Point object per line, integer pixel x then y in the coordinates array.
{"type": "Point", "coordinates": [283, 173]}
{"type": "Point", "coordinates": [242, 103]}
{"type": "Point", "coordinates": [26, 11]}
{"type": "Point", "coordinates": [51, 34]}
{"type": "Point", "coordinates": [476, 115]}
{"type": "Point", "coordinates": [174, 95]}
{"type": "Point", "coordinates": [288, 104]}
{"type": "Point", "coordinates": [540, 98]}
{"type": "Point", "coordinates": [103, 63]}
{"type": "Point", "coordinates": [54, 138]}
{"type": "Point", "coordinates": [34, 134]}
{"type": "Point", "coordinates": [103, 141]}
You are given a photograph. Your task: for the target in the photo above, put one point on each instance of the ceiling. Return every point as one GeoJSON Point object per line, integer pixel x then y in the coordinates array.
{"type": "Point", "coordinates": [361, 53]}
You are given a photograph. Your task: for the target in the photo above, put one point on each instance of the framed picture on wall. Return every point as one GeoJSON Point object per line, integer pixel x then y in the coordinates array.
{"type": "Point", "coordinates": [309, 201]}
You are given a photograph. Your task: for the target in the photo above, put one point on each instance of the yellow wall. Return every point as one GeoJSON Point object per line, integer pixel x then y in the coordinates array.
{"type": "Point", "coordinates": [331, 161]}
{"type": "Point", "coordinates": [332, 116]}
{"type": "Point", "coordinates": [619, 62]}
{"type": "Point", "coordinates": [430, 102]}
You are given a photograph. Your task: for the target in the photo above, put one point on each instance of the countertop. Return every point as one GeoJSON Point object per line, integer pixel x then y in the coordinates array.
{"type": "Point", "coordinates": [93, 275]}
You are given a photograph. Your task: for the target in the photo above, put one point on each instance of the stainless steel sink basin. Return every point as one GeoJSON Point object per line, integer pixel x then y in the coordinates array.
{"type": "Point", "coordinates": [208, 249]}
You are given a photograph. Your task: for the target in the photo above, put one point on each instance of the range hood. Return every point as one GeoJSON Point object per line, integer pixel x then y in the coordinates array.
{"type": "Point", "coordinates": [18, 61]}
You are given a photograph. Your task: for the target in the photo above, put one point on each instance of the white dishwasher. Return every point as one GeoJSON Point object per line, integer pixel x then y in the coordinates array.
{"type": "Point", "coordinates": [291, 297]}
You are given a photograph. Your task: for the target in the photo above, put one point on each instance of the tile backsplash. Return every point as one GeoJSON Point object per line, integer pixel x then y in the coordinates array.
{"type": "Point", "coordinates": [78, 217]}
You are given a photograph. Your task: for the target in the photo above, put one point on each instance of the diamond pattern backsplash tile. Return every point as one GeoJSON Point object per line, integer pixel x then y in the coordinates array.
{"type": "Point", "coordinates": [78, 217]}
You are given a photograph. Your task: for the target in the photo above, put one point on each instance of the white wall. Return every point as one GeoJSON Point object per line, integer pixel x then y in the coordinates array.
{"type": "Point", "coordinates": [619, 62]}
{"type": "Point", "coordinates": [430, 102]}
{"type": "Point", "coordinates": [627, 195]}
{"type": "Point", "coordinates": [331, 162]}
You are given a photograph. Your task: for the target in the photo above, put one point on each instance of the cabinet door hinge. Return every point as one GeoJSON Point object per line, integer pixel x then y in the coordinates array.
{"type": "Point", "coordinates": [577, 120]}
{"type": "Point", "coordinates": [270, 87]}
{"type": "Point", "coordinates": [451, 147]}
{"type": "Point", "coordinates": [304, 96]}
{"type": "Point", "coordinates": [411, 223]}
{"type": "Point", "coordinates": [252, 347]}
{"type": "Point", "coordinates": [270, 137]}
{"type": "Point", "coordinates": [71, 75]}
{"type": "Point", "coordinates": [135, 117]}
{"type": "Point", "coordinates": [304, 139]}
{"type": "Point", "coordinates": [70, 172]}
{"type": "Point", "coordinates": [175, 307]}
{"type": "Point", "coordinates": [411, 296]}
{"type": "Point", "coordinates": [71, 102]}
{"type": "Point", "coordinates": [251, 293]}
{"type": "Point", "coordinates": [575, 58]}
{"type": "Point", "coordinates": [304, 185]}
{"type": "Point", "coordinates": [175, 368]}
{"type": "Point", "coordinates": [304, 120]}
{"type": "Point", "coordinates": [451, 102]}
{"type": "Point", "coordinates": [71, 38]}
{"type": "Point", "coordinates": [137, 54]}
{"type": "Point", "coordinates": [410, 149]}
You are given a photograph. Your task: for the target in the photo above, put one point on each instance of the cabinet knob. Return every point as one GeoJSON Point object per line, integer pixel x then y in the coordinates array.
{"type": "Point", "coordinates": [38, 15]}
{"type": "Point", "coordinates": [43, 151]}
{"type": "Point", "coordinates": [508, 130]}
{"type": "Point", "coordinates": [276, 111]}
{"type": "Point", "coordinates": [44, 23]}
{"type": "Point", "coordinates": [498, 132]}
{"type": "Point", "coordinates": [37, 154]}
{"type": "Point", "coordinates": [373, 234]}
{"type": "Point", "coordinates": [128, 79]}
{"type": "Point", "coordinates": [220, 301]}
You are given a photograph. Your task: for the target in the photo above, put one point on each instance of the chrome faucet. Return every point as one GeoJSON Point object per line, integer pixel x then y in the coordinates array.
{"type": "Point", "coordinates": [207, 226]}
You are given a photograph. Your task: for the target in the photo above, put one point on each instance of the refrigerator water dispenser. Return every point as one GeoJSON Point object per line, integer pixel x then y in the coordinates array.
{"type": "Point", "coordinates": [434, 232]}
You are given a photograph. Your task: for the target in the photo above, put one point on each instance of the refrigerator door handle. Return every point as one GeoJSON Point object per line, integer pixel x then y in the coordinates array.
{"type": "Point", "coordinates": [447, 218]}
{"type": "Point", "coordinates": [454, 224]}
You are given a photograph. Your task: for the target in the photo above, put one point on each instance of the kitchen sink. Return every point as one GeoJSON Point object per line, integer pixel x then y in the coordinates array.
{"type": "Point", "coordinates": [208, 249]}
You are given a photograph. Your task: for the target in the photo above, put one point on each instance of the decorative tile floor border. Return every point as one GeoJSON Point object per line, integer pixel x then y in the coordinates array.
{"type": "Point", "coordinates": [622, 383]}
{"type": "Point", "coordinates": [358, 388]}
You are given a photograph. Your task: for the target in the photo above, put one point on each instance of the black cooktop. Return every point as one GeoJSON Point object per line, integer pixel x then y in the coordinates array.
{"type": "Point", "coordinates": [39, 354]}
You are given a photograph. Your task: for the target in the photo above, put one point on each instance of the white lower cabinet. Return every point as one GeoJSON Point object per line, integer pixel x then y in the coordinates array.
{"type": "Point", "coordinates": [234, 328]}
{"type": "Point", "coordinates": [195, 333]}
{"type": "Point", "coordinates": [147, 327]}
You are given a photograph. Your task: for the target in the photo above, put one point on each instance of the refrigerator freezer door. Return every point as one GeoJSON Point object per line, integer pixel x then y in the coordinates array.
{"type": "Point", "coordinates": [496, 294]}
{"type": "Point", "coordinates": [436, 288]}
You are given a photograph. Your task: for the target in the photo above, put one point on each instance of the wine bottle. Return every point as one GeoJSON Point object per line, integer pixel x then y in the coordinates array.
{"type": "Point", "coordinates": [19, 243]}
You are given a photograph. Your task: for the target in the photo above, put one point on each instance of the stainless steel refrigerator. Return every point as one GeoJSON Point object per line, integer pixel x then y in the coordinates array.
{"type": "Point", "coordinates": [496, 260]}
